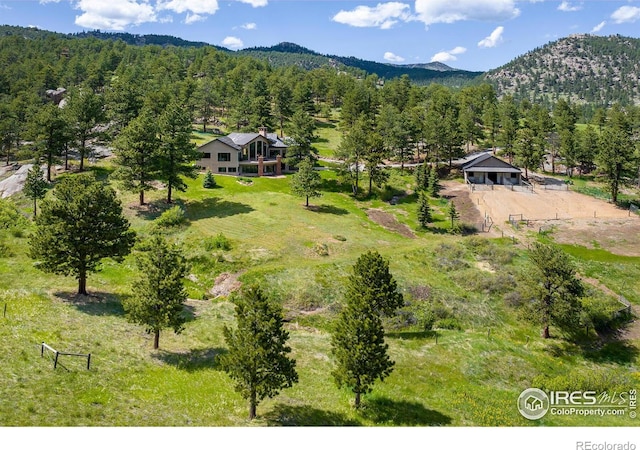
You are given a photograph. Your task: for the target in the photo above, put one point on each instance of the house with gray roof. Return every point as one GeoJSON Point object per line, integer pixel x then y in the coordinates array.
{"type": "Point", "coordinates": [485, 168]}
{"type": "Point", "coordinates": [248, 154]}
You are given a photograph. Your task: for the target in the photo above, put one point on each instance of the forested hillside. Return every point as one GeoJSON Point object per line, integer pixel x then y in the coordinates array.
{"type": "Point", "coordinates": [580, 68]}
{"type": "Point", "coordinates": [288, 54]}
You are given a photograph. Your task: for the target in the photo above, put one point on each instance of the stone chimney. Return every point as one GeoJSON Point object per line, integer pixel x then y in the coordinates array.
{"type": "Point", "coordinates": [263, 131]}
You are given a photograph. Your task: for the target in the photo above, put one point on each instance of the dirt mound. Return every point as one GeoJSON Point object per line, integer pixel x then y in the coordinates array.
{"type": "Point", "coordinates": [225, 284]}
{"type": "Point", "coordinates": [390, 222]}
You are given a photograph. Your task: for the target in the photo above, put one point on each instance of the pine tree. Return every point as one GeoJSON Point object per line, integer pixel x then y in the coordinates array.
{"type": "Point", "coordinates": [452, 213]}
{"type": "Point", "coordinates": [137, 155]}
{"type": "Point", "coordinates": [177, 152]}
{"type": "Point", "coordinates": [158, 292]}
{"type": "Point", "coordinates": [434, 183]}
{"type": "Point", "coordinates": [555, 289]}
{"type": "Point", "coordinates": [35, 186]}
{"type": "Point", "coordinates": [209, 181]}
{"type": "Point", "coordinates": [306, 182]}
{"type": "Point", "coordinates": [358, 341]}
{"type": "Point", "coordinates": [424, 210]}
{"type": "Point", "coordinates": [423, 175]}
{"type": "Point", "coordinates": [81, 224]}
{"type": "Point", "coordinates": [257, 360]}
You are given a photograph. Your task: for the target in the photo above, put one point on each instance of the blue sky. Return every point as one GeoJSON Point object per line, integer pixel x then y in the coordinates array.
{"type": "Point", "coordinates": [466, 34]}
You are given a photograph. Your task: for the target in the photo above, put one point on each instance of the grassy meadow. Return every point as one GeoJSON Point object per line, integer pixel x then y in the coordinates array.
{"type": "Point", "coordinates": [469, 371]}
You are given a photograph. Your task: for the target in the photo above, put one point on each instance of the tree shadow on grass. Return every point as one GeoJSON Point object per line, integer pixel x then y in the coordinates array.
{"type": "Point", "coordinates": [306, 416]}
{"type": "Point", "coordinates": [215, 208]}
{"type": "Point", "coordinates": [328, 209]}
{"type": "Point", "coordinates": [617, 352]}
{"type": "Point", "coordinates": [336, 186]}
{"type": "Point", "coordinates": [384, 411]}
{"type": "Point", "coordinates": [94, 304]}
{"type": "Point", "coordinates": [412, 335]}
{"type": "Point", "coordinates": [193, 360]}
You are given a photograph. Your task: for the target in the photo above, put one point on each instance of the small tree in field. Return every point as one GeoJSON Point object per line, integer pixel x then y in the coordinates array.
{"type": "Point", "coordinates": [452, 213]}
{"type": "Point", "coordinates": [209, 182]}
{"type": "Point", "coordinates": [35, 186]}
{"type": "Point", "coordinates": [358, 341]}
{"type": "Point", "coordinates": [257, 360]}
{"type": "Point", "coordinates": [555, 289]}
{"type": "Point", "coordinates": [306, 182]}
{"type": "Point", "coordinates": [158, 292]}
{"type": "Point", "coordinates": [424, 210]}
{"type": "Point", "coordinates": [433, 185]}
{"type": "Point", "coordinates": [81, 224]}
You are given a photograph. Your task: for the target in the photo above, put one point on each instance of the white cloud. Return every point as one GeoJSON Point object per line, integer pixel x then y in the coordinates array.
{"type": "Point", "coordinates": [447, 56]}
{"type": "Point", "coordinates": [626, 14]}
{"type": "Point", "coordinates": [567, 7]}
{"type": "Point", "coordinates": [493, 39]}
{"type": "Point", "coordinates": [448, 11]}
{"type": "Point", "coordinates": [233, 43]}
{"type": "Point", "coordinates": [193, 18]}
{"type": "Point", "coordinates": [599, 27]}
{"type": "Point", "coordinates": [383, 15]}
{"type": "Point", "coordinates": [114, 14]}
{"type": "Point", "coordinates": [189, 6]}
{"type": "Point", "coordinates": [44, 2]}
{"type": "Point", "coordinates": [392, 57]}
{"type": "Point", "coordinates": [255, 3]}
{"type": "Point", "coordinates": [249, 26]}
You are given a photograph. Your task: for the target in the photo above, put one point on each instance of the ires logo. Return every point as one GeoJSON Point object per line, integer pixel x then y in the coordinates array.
{"type": "Point", "coordinates": [534, 404]}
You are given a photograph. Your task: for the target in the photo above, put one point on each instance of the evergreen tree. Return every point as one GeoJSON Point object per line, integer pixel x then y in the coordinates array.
{"type": "Point", "coordinates": [423, 175]}
{"type": "Point", "coordinates": [257, 360]}
{"type": "Point", "coordinates": [616, 149]}
{"type": "Point", "coordinates": [81, 224]}
{"type": "Point", "coordinates": [424, 210]}
{"type": "Point", "coordinates": [158, 292]}
{"type": "Point", "coordinates": [434, 183]}
{"type": "Point", "coordinates": [302, 134]}
{"type": "Point", "coordinates": [209, 181]}
{"type": "Point", "coordinates": [373, 160]}
{"type": "Point", "coordinates": [306, 182]}
{"type": "Point", "coordinates": [137, 155]}
{"type": "Point", "coordinates": [452, 213]}
{"type": "Point", "coordinates": [555, 289]}
{"type": "Point", "coordinates": [358, 340]}
{"type": "Point", "coordinates": [177, 153]}
{"type": "Point", "coordinates": [35, 186]}
{"type": "Point", "coordinates": [50, 132]}
{"type": "Point", "coordinates": [85, 111]}
{"type": "Point", "coordinates": [372, 281]}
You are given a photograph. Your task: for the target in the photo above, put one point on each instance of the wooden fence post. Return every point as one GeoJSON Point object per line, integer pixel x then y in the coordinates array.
{"type": "Point", "coordinates": [89, 361]}
{"type": "Point", "coordinates": [55, 362]}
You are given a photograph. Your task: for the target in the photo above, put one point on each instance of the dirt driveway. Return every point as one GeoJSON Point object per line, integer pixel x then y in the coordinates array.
{"type": "Point", "coordinates": [574, 218]}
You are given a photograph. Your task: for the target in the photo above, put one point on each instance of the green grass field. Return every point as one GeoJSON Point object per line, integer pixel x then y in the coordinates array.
{"type": "Point", "coordinates": [470, 375]}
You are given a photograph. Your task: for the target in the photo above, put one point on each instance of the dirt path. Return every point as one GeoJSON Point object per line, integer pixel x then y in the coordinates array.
{"type": "Point", "coordinates": [389, 222]}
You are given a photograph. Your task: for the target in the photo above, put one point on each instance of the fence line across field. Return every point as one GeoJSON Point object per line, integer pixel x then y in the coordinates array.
{"type": "Point", "coordinates": [57, 354]}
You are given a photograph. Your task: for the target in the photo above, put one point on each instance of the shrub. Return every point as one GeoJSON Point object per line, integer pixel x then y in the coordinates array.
{"type": "Point", "coordinates": [321, 249]}
{"type": "Point", "coordinates": [10, 217]}
{"type": "Point", "coordinates": [171, 217]}
{"type": "Point", "coordinates": [448, 323]}
{"type": "Point", "coordinates": [449, 257]}
{"type": "Point", "coordinates": [220, 242]}
{"type": "Point", "coordinates": [209, 182]}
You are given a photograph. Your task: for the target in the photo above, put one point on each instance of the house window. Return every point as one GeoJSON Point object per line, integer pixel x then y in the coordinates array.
{"type": "Point", "coordinates": [222, 169]}
{"type": "Point", "coordinates": [252, 151]}
{"type": "Point", "coordinates": [249, 169]}
{"type": "Point", "coordinates": [206, 156]}
{"type": "Point", "coordinates": [232, 169]}
{"type": "Point", "coordinates": [224, 157]}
